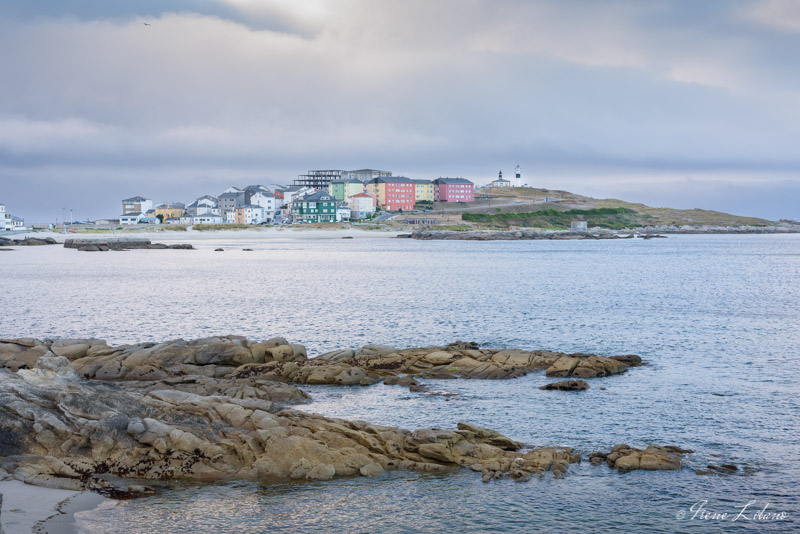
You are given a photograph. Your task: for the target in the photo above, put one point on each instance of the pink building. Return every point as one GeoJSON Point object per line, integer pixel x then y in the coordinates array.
{"type": "Point", "coordinates": [453, 190]}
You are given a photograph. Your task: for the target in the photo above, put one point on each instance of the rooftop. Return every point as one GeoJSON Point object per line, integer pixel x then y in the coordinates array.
{"type": "Point", "coordinates": [135, 199]}
{"type": "Point", "coordinates": [386, 179]}
{"type": "Point", "coordinates": [452, 181]}
{"type": "Point", "coordinates": [319, 196]}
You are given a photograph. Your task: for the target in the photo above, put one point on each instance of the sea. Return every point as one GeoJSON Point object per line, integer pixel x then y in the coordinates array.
{"type": "Point", "coordinates": [716, 318]}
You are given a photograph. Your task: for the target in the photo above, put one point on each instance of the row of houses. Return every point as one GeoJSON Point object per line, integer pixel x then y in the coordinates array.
{"type": "Point", "coordinates": [9, 222]}
{"type": "Point", "coordinates": [319, 196]}
{"type": "Point", "coordinates": [395, 193]}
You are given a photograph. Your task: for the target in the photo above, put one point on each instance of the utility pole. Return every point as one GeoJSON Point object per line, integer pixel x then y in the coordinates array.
{"type": "Point", "coordinates": [63, 220]}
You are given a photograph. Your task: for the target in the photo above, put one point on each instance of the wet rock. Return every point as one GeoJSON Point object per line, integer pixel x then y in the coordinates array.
{"type": "Point", "coordinates": [588, 365]}
{"type": "Point", "coordinates": [724, 469]}
{"type": "Point", "coordinates": [625, 458]}
{"type": "Point", "coordinates": [400, 381]}
{"type": "Point", "coordinates": [567, 385]}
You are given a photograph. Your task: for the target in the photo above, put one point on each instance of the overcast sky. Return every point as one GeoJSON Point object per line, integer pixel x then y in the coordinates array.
{"type": "Point", "coordinates": [668, 102]}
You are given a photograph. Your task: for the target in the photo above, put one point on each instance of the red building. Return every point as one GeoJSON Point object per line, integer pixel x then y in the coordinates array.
{"type": "Point", "coordinates": [453, 190]}
{"type": "Point", "coordinates": [393, 192]}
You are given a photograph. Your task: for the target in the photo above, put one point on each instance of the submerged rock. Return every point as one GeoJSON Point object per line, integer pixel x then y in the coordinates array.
{"type": "Point", "coordinates": [567, 385]}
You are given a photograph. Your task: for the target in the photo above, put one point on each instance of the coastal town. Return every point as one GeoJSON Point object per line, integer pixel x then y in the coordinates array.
{"type": "Point", "coordinates": [318, 196]}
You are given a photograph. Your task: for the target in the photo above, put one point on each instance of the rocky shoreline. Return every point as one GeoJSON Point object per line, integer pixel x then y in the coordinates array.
{"type": "Point", "coordinates": [649, 232]}
{"type": "Point", "coordinates": [81, 414]}
{"type": "Point", "coordinates": [103, 245]}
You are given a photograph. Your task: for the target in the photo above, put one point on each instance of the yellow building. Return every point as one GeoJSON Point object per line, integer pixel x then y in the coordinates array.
{"type": "Point", "coordinates": [170, 210]}
{"type": "Point", "coordinates": [423, 190]}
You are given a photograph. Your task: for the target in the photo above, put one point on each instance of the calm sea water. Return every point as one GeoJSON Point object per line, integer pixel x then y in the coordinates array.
{"type": "Point", "coordinates": [717, 317]}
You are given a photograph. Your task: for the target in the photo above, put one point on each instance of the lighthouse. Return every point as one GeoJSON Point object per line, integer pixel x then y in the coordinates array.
{"type": "Point", "coordinates": [518, 177]}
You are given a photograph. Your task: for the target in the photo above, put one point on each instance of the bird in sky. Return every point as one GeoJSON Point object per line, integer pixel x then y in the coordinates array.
{"type": "Point", "coordinates": [146, 24]}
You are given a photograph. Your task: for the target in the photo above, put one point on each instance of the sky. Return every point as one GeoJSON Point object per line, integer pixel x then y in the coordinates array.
{"type": "Point", "coordinates": [673, 103]}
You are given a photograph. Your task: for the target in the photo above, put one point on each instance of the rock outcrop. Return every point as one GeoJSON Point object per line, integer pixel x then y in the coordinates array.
{"type": "Point", "coordinates": [27, 242]}
{"type": "Point", "coordinates": [214, 357]}
{"type": "Point", "coordinates": [79, 413]}
{"type": "Point", "coordinates": [654, 458]}
{"type": "Point", "coordinates": [465, 360]}
{"type": "Point", "coordinates": [278, 360]}
{"type": "Point", "coordinates": [61, 430]}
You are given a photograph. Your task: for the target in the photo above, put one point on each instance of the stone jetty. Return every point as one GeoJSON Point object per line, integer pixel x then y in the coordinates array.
{"type": "Point", "coordinates": [83, 414]}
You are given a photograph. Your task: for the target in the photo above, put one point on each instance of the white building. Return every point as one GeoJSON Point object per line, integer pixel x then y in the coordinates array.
{"type": "Point", "coordinates": [207, 218]}
{"type": "Point", "coordinates": [500, 182]}
{"type": "Point", "coordinates": [518, 177]}
{"type": "Point", "coordinates": [251, 214]}
{"type": "Point", "coordinates": [265, 200]}
{"type": "Point", "coordinates": [578, 225]}
{"type": "Point", "coordinates": [342, 211]}
{"type": "Point", "coordinates": [6, 219]}
{"type": "Point", "coordinates": [130, 218]}
{"type": "Point", "coordinates": [19, 224]}
{"type": "Point", "coordinates": [361, 205]}
{"type": "Point", "coordinates": [290, 194]}
{"type": "Point", "coordinates": [136, 205]}
{"type": "Point", "coordinates": [205, 205]}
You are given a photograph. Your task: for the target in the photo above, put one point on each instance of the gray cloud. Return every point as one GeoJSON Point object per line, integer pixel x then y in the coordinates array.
{"type": "Point", "coordinates": [216, 92]}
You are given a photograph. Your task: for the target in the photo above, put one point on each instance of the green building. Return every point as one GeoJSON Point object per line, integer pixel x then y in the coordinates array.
{"type": "Point", "coordinates": [315, 207]}
{"type": "Point", "coordinates": [344, 189]}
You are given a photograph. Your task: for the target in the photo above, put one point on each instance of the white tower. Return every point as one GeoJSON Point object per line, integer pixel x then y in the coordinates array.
{"type": "Point", "coordinates": [517, 177]}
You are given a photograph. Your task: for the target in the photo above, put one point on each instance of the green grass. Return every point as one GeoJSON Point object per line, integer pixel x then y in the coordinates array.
{"type": "Point", "coordinates": [174, 228]}
{"type": "Point", "coordinates": [613, 218]}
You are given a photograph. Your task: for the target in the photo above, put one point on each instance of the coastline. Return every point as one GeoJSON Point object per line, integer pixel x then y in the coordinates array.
{"type": "Point", "coordinates": [251, 235]}
{"type": "Point", "coordinates": [28, 508]}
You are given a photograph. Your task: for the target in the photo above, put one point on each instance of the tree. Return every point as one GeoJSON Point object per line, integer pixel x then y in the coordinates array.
{"type": "Point", "coordinates": [160, 218]}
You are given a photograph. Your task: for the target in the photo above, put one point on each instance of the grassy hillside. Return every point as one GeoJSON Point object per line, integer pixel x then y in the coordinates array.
{"type": "Point", "coordinates": [614, 218]}
{"type": "Point", "coordinates": [523, 206]}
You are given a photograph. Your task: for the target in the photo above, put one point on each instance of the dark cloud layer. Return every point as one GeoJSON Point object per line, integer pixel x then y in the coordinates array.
{"type": "Point", "coordinates": [582, 94]}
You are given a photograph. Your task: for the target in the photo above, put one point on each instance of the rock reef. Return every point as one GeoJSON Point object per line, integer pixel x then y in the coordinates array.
{"type": "Point", "coordinates": [236, 357]}
{"type": "Point", "coordinates": [61, 430]}
{"type": "Point", "coordinates": [81, 414]}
